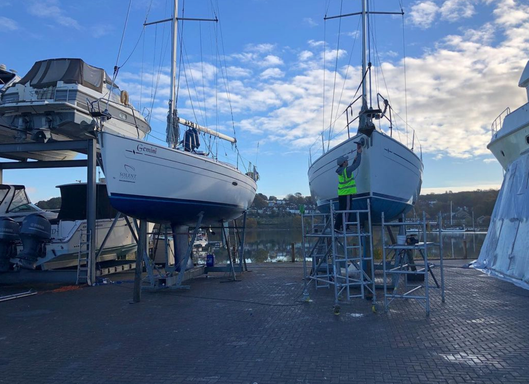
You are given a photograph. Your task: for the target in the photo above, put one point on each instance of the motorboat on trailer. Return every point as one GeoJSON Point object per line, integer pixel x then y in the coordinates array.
{"type": "Point", "coordinates": [390, 173]}
{"type": "Point", "coordinates": [57, 100]}
{"type": "Point", "coordinates": [41, 242]}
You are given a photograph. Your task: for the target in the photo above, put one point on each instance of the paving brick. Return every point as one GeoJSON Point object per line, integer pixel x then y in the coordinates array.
{"type": "Point", "coordinates": [260, 331]}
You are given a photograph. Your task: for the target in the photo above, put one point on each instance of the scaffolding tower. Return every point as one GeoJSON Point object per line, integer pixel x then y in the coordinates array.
{"type": "Point", "coordinates": [404, 278]}
{"type": "Point", "coordinates": [339, 259]}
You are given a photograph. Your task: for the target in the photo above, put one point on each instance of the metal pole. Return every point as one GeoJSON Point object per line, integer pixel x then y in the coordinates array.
{"type": "Point", "coordinates": [426, 268]}
{"type": "Point", "coordinates": [441, 259]}
{"type": "Point", "coordinates": [140, 252]}
{"type": "Point", "coordinates": [91, 209]}
{"type": "Point", "coordinates": [172, 101]}
{"type": "Point", "coordinates": [243, 240]}
{"type": "Point", "coordinates": [305, 277]}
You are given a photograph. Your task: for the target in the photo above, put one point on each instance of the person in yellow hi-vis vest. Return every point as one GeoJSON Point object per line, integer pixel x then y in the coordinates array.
{"type": "Point", "coordinates": [346, 184]}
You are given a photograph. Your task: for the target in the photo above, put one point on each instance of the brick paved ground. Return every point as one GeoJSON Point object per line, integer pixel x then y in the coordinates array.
{"type": "Point", "coordinates": [258, 331]}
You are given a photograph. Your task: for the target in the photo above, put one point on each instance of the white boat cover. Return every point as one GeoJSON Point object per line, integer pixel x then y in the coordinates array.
{"type": "Point", "coordinates": [505, 250]}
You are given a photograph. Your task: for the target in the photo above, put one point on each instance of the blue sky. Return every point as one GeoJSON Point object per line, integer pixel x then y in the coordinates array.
{"type": "Point", "coordinates": [463, 62]}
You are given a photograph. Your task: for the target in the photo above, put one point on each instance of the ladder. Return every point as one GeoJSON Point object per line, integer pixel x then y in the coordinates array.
{"type": "Point", "coordinates": [83, 258]}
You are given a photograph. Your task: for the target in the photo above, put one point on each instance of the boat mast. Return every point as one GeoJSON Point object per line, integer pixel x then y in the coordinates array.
{"type": "Point", "coordinates": [364, 55]}
{"type": "Point", "coordinates": [172, 133]}
{"type": "Point", "coordinates": [365, 121]}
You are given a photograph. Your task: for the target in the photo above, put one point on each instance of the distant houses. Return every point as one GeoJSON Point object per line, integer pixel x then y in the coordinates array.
{"type": "Point", "coordinates": [281, 207]}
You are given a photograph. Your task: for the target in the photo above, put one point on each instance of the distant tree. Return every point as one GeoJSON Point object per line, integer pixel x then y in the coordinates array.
{"type": "Point", "coordinates": [53, 203]}
{"type": "Point", "coordinates": [259, 202]}
{"type": "Point", "coordinates": [272, 198]}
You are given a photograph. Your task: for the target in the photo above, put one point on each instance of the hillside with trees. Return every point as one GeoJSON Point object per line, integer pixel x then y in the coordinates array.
{"type": "Point", "coordinates": [472, 208]}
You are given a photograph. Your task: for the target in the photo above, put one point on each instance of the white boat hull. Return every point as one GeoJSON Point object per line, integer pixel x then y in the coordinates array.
{"type": "Point", "coordinates": [56, 101]}
{"type": "Point", "coordinates": [164, 185]}
{"type": "Point", "coordinates": [389, 176]}
{"type": "Point", "coordinates": [513, 138]}
{"type": "Point", "coordinates": [63, 249]}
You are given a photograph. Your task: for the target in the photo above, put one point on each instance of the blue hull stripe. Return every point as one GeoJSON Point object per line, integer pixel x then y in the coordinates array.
{"type": "Point", "coordinates": [392, 209]}
{"type": "Point", "coordinates": [175, 211]}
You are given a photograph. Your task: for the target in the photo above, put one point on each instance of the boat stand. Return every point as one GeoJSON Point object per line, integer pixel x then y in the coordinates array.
{"type": "Point", "coordinates": [339, 259]}
{"type": "Point", "coordinates": [398, 261]}
{"type": "Point", "coordinates": [173, 275]}
{"type": "Point", "coordinates": [236, 262]}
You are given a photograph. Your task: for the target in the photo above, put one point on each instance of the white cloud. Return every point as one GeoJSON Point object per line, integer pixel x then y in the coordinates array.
{"type": "Point", "coordinates": [260, 48]}
{"type": "Point", "coordinates": [510, 13]}
{"type": "Point", "coordinates": [272, 73]}
{"type": "Point", "coordinates": [310, 22]}
{"type": "Point", "coordinates": [453, 10]}
{"type": "Point", "coordinates": [101, 30]}
{"type": "Point", "coordinates": [233, 71]}
{"type": "Point", "coordinates": [7, 24]}
{"type": "Point", "coordinates": [454, 91]}
{"type": "Point", "coordinates": [315, 44]}
{"type": "Point", "coordinates": [305, 55]}
{"type": "Point", "coordinates": [423, 14]}
{"type": "Point", "coordinates": [50, 9]}
{"type": "Point", "coordinates": [271, 60]}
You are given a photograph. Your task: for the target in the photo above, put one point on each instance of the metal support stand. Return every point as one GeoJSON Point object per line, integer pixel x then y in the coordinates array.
{"type": "Point", "coordinates": [173, 276]}
{"type": "Point", "coordinates": [140, 254]}
{"type": "Point", "coordinates": [343, 260]}
{"type": "Point", "coordinates": [410, 278]}
{"type": "Point", "coordinates": [235, 253]}
{"type": "Point", "coordinates": [91, 208]}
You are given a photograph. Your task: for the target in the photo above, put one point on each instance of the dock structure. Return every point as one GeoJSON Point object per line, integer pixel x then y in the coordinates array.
{"type": "Point", "coordinates": [341, 259]}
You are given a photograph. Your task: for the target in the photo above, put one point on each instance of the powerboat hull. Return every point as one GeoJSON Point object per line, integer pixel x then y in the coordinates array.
{"type": "Point", "coordinates": [56, 101]}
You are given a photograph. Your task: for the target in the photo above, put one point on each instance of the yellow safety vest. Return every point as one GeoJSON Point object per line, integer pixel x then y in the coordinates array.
{"type": "Point", "coordinates": [346, 184]}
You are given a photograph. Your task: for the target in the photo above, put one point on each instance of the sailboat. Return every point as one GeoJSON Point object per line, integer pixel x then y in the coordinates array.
{"type": "Point", "coordinates": [390, 173]}
{"type": "Point", "coordinates": [176, 184]}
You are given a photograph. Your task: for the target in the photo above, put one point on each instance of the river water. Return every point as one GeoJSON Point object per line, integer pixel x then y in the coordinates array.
{"type": "Point", "coordinates": [276, 245]}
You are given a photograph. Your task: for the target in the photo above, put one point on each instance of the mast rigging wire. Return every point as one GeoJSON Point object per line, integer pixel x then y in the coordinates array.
{"type": "Point", "coordinates": [335, 75]}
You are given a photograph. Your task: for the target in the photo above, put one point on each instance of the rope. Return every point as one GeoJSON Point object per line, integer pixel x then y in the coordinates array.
{"type": "Point", "coordinates": [405, 77]}
{"type": "Point", "coordinates": [335, 73]}
{"type": "Point", "coordinates": [323, 86]}
{"type": "Point", "coordinates": [116, 67]}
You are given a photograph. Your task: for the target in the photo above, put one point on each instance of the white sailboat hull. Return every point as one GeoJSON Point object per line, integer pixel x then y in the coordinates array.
{"type": "Point", "coordinates": [164, 185]}
{"type": "Point", "coordinates": [389, 176]}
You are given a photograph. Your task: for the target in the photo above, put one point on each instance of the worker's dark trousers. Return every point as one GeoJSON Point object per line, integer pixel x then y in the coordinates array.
{"type": "Point", "coordinates": [344, 204]}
